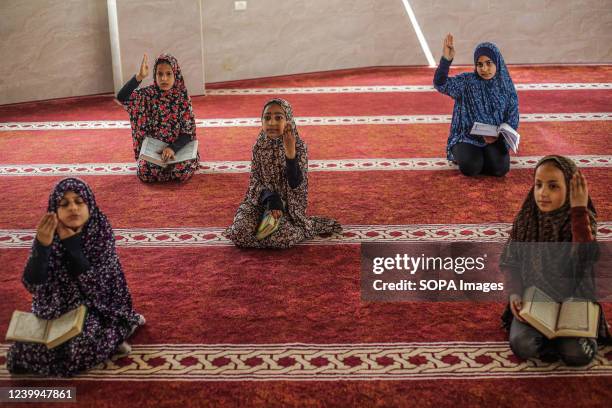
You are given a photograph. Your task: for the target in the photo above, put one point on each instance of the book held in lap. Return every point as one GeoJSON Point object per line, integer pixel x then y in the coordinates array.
{"type": "Point", "coordinates": [511, 136]}
{"type": "Point", "coordinates": [267, 226]}
{"type": "Point", "coordinates": [28, 328]}
{"type": "Point", "coordinates": [150, 148]}
{"type": "Point", "coordinates": [570, 318]}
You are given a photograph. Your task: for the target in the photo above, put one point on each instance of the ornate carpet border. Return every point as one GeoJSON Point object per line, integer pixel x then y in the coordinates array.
{"type": "Point", "coordinates": [303, 121]}
{"type": "Point", "coordinates": [351, 234]}
{"type": "Point", "coordinates": [235, 167]}
{"type": "Point", "coordinates": [327, 362]}
{"type": "Point", "coordinates": [395, 88]}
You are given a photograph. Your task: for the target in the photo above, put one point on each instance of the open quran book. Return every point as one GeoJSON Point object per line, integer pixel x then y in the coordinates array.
{"type": "Point", "coordinates": [512, 137]}
{"type": "Point", "coordinates": [267, 226]}
{"type": "Point", "coordinates": [571, 318]}
{"type": "Point", "coordinates": [28, 328]}
{"type": "Point", "coordinates": [150, 148]}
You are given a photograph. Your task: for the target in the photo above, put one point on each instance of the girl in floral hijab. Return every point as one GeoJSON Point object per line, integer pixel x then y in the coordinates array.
{"type": "Point", "coordinates": [279, 185]}
{"type": "Point", "coordinates": [162, 111]}
{"type": "Point", "coordinates": [74, 262]}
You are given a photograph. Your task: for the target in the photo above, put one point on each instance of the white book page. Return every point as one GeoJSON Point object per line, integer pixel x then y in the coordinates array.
{"type": "Point", "coordinates": [544, 309]}
{"type": "Point", "coordinates": [31, 327]}
{"type": "Point", "coordinates": [188, 152]}
{"type": "Point", "coordinates": [574, 315]}
{"type": "Point", "coordinates": [546, 312]}
{"type": "Point", "coordinates": [512, 136]}
{"type": "Point", "coordinates": [482, 129]}
{"type": "Point", "coordinates": [62, 325]}
{"type": "Point", "coordinates": [151, 146]}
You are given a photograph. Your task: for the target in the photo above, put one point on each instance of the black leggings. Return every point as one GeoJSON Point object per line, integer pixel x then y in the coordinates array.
{"type": "Point", "coordinates": [492, 159]}
{"type": "Point", "coordinates": [526, 342]}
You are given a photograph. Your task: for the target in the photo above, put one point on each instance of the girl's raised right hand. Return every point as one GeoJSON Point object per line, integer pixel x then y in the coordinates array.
{"type": "Point", "coordinates": [579, 190]}
{"type": "Point", "coordinates": [144, 69]}
{"type": "Point", "coordinates": [46, 229]}
{"type": "Point", "coordinates": [289, 141]}
{"type": "Point", "coordinates": [448, 49]}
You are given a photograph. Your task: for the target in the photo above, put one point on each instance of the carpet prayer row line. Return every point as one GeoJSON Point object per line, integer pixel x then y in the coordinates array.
{"type": "Point", "coordinates": [354, 104]}
{"type": "Point", "coordinates": [384, 198]}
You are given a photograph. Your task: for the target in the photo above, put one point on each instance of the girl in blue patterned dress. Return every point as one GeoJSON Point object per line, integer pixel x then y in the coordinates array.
{"type": "Point", "coordinates": [74, 262]}
{"type": "Point", "coordinates": [486, 95]}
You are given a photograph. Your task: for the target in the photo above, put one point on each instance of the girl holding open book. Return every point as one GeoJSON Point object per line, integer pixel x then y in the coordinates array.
{"type": "Point", "coordinates": [161, 111]}
{"type": "Point", "coordinates": [552, 246]}
{"type": "Point", "coordinates": [486, 95]}
{"type": "Point", "coordinates": [74, 262]}
{"type": "Point", "coordinates": [273, 212]}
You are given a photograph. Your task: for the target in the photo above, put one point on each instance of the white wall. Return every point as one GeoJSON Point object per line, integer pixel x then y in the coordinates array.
{"type": "Point", "coordinates": [53, 49]}
{"type": "Point", "coordinates": [60, 48]}
{"type": "Point", "coordinates": [161, 26]}
{"type": "Point", "coordinates": [286, 37]}
{"type": "Point", "coordinates": [527, 31]}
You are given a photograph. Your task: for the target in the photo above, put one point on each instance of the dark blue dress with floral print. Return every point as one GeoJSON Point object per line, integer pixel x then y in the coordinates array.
{"type": "Point", "coordinates": [100, 285]}
{"type": "Point", "coordinates": [477, 100]}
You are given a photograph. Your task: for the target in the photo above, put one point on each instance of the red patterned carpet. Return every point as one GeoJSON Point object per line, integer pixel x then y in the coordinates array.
{"type": "Point", "coordinates": [230, 327]}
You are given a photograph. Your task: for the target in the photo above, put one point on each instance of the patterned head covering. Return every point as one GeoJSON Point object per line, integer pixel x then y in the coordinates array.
{"type": "Point", "coordinates": [562, 269]}
{"type": "Point", "coordinates": [492, 101]}
{"type": "Point", "coordinates": [283, 104]}
{"type": "Point", "coordinates": [179, 82]}
{"type": "Point", "coordinates": [286, 107]}
{"type": "Point", "coordinates": [75, 185]}
{"type": "Point", "coordinates": [502, 79]}
{"type": "Point", "coordinates": [97, 228]}
{"type": "Point", "coordinates": [485, 50]}
{"type": "Point", "coordinates": [163, 115]}
{"type": "Point", "coordinates": [103, 286]}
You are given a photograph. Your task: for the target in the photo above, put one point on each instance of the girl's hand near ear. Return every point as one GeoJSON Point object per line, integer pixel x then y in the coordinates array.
{"type": "Point", "coordinates": [144, 69]}
{"type": "Point", "coordinates": [64, 232]}
{"type": "Point", "coordinates": [289, 142]}
{"type": "Point", "coordinates": [448, 49]}
{"type": "Point", "coordinates": [579, 192]}
{"type": "Point", "coordinates": [46, 228]}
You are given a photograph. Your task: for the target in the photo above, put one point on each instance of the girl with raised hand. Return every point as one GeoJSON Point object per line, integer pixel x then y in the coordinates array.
{"type": "Point", "coordinates": [278, 187]}
{"type": "Point", "coordinates": [558, 221]}
{"type": "Point", "coordinates": [162, 111]}
{"type": "Point", "coordinates": [74, 262]}
{"type": "Point", "coordinates": [486, 95]}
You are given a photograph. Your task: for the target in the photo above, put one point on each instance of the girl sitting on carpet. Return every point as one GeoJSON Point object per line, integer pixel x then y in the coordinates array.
{"type": "Point", "coordinates": [162, 111]}
{"type": "Point", "coordinates": [558, 209]}
{"type": "Point", "coordinates": [74, 262]}
{"type": "Point", "coordinates": [486, 95]}
{"type": "Point", "coordinates": [278, 187]}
